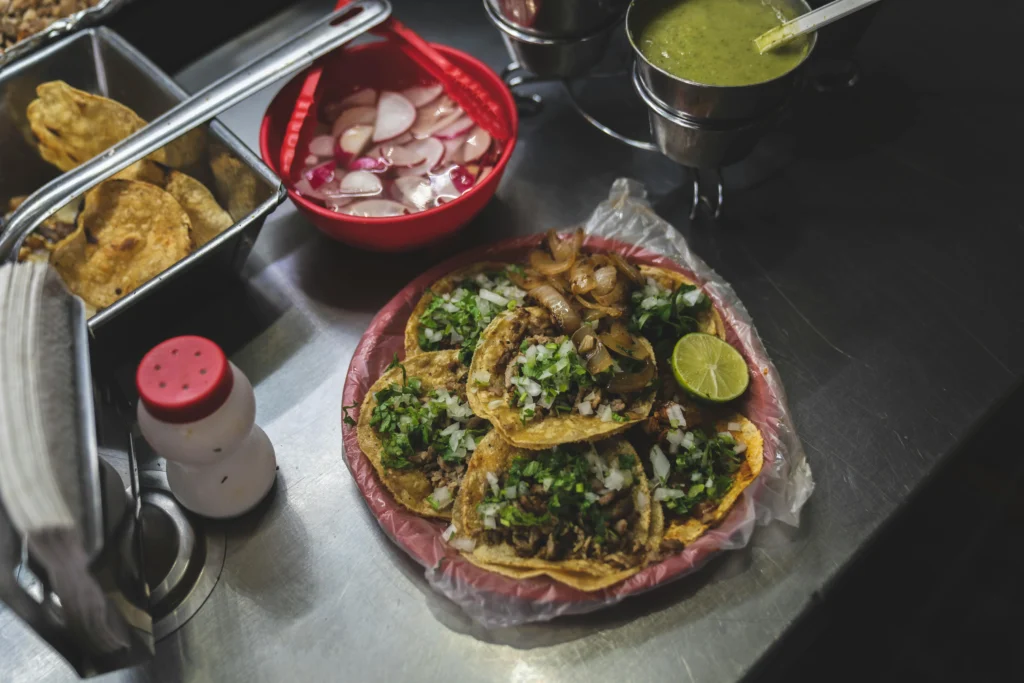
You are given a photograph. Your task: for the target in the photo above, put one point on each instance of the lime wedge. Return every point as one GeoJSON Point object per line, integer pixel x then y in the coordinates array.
{"type": "Point", "coordinates": [709, 368]}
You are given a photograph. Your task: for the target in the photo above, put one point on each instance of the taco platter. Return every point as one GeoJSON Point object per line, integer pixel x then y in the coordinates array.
{"type": "Point", "coordinates": [574, 454]}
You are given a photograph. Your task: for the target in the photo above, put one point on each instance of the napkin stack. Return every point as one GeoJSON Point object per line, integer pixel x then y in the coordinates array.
{"type": "Point", "coordinates": [51, 512]}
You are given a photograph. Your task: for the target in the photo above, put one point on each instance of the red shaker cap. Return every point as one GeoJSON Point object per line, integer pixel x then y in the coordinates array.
{"type": "Point", "coordinates": [184, 379]}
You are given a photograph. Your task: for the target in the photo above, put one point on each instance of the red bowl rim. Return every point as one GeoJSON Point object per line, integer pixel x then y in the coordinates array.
{"type": "Point", "coordinates": [504, 94]}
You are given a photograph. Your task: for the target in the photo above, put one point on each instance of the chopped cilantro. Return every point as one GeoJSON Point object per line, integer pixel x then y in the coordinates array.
{"type": "Point", "coordinates": [664, 316]}
{"type": "Point", "coordinates": [456, 319]}
{"type": "Point", "coordinates": [410, 421]}
{"type": "Point", "coordinates": [346, 418]}
{"type": "Point", "coordinates": [702, 471]}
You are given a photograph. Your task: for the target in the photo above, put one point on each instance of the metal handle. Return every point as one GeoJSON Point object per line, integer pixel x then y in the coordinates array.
{"type": "Point", "coordinates": [323, 36]}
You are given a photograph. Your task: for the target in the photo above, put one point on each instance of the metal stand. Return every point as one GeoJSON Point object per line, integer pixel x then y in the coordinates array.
{"type": "Point", "coordinates": [708, 189]}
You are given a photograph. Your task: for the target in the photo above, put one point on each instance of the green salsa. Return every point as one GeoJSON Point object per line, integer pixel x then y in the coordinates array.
{"type": "Point", "coordinates": [712, 41]}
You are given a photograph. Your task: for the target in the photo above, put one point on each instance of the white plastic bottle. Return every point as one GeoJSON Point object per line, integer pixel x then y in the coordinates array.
{"type": "Point", "coordinates": [198, 411]}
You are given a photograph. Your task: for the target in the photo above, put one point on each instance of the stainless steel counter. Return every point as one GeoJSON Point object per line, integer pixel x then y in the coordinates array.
{"type": "Point", "coordinates": [844, 257]}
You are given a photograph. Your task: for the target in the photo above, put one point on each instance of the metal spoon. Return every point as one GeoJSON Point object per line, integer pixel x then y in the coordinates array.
{"type": "Point", "coordinates": [812, 21]}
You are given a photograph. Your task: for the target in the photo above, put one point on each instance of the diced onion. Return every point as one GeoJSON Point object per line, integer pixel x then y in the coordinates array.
{"type": "Point", "coordinates": [546, 482]}
{"type": "Point", "coordinates": [496, 403]}
{"type": "Point", "coordinates": [466, 545]}
{"type": "Point", "coordinates": [488, 295]}
{"type": "Point", "coordinates": [584, 409]}
{"type": "Point", "coordinates": [692, 297]}
{"type": "Point", "coordinates": [605, 412]}
{"type": "Point", "coordinates": [591, 496]}
{"type": "Point", "coordinates": [442, 497]}
{"type": "Point", "coordinates": [453, 427]}
{"type": "Point", "coordinates": [734, 427]}
{"type": "Point", "coordinates": [660, 463]}
{"type": "Point", "coordinates": [614, 481]}
{"type": "Point", "coordinates": [687, 441]}
{"type": "Point", "coordinates": [482, 377]}
{"type": "Point", "coordinates": [493, 481]}
{"type": "Point", "coordinates": [662, 493]}
{"type": "Point", "coordinates": [739, 448]}
{"type": "Point", "coordinates": [676, 416]}
{"type": "Point", "coordinates": [489, 522]}
{"type": "Point", "coordinates": [448, 532]}
{"type": "Point", "coordinates": [510, 492]}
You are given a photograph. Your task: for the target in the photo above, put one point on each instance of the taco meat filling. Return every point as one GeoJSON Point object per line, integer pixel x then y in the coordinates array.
{"type": "Point", "coordinates": [549, 376]}
{"type": "Point", "coordinates": [564, 503]}
{"type": "Point", "coordinates": [433, 431]}
{"type": "Point", "coordinates": [455, 320]}
{"type": "Point", "coordinates": [663, 315]}
{"type": "Point", "coordinates": [692, 470]}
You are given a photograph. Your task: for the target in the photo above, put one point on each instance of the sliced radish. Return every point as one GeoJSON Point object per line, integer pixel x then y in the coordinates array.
{"type": "Point", "coordinates": [395, 115]}
{"type": "Point", "coordinates": [400, 156]}
{"type": "Point", "coordinates": [478, 142]}
{"type": "Point", "coordinates": [367, 97]}
{"type": "Point", "coordinates": [336, 203]}
{"type": "Point", "coordinates": [312, 159]}
{"type": "Point", "coordinates": [367, 164]}
{"type": "Point", "coordinates": [460, 126]}
{"type": "Point", "coordinates": [461, 178]}
{"type": "Point", "coordinates": [416, 191]}
{"type": "Point", "coordinates": [353, 117]}
{"type": "Point", "coordinates": [376, 208]}
{"type": "Point", "coordinates": [432, 150]}
{"type": "Point", "coordinates": [452, 147]}
{"type": "Point", "coordinates": [361, 184]}
{"type": "Point", "coordinates": [484, 172]}
{"type": "Point", "coordinates": [322, 146]}
{"type": "Point", "coordinates": [403, 139]}
{"type": "Point", "coordinates": [423, 94]}
{"type": "Point", "coordinates": [353, 141]}
{"type": "Point", "coordinates": [435, 116]}
{"type": "Point", "coordinates": [320, 175]}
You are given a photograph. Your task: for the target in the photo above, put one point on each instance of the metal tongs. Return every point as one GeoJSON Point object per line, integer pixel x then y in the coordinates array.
{"type": "Point", "coordinates": [325, 35]}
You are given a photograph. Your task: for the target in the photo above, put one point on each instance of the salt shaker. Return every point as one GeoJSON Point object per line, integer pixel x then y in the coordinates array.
{"type": "Point", "coordinates": [198, 411]}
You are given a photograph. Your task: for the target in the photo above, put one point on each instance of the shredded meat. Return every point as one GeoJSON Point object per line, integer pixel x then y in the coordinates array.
{"type": "Point", "coordinates": [20, 19]}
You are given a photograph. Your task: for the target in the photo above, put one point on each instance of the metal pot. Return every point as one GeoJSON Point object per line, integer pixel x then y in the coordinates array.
{"type": "Point", "coordinates": [710, 102]}
{"type": "Point", "coordinates": [558, 18]}
{"type": "Point", "coordinates": [553, 57]}
{"type": "Point", "coordinates": [700, 144]}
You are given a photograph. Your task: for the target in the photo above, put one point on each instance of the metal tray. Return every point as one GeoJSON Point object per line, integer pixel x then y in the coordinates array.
{"type": "Point", "coordinates": [60, 27]}
{"type": "Point", "coordinates": [99, 61]}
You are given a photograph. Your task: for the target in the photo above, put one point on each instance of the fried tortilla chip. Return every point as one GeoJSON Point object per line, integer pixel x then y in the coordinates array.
{"type": "Point", "coordinates": [688, 530]}
{"type": "Point", "coordinates": [410, 487]}
{"type": "Point", "coordinates": [73, 126]}
{"type": "Point", "coordinates": [128, 233]}
{"type": "Point", "coordinates": [493, 457]}
{"type": "Point", "coordinates": [499, 344]}
{"type": "Point", "coordinates": [206, 215]}
{"type": "Point", "coordinates": [236, 184]}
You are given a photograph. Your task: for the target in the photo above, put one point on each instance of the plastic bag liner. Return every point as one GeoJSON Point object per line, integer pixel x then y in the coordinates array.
{"type": "Point", "coordinates": [624, 223]}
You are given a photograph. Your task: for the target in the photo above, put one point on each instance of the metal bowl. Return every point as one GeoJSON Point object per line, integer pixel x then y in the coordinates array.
{"type": "Point", "coordinates": [710, 102]}
{"type": "Point", "coordinates": [700, 144]}
{"type": "Point", "coordinates": [553, 57]}
{"type": "Point", "coordinates": [558, 18]}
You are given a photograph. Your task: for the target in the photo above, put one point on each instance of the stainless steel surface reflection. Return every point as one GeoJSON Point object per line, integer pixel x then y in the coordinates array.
{"type": "Point", "coordinates": [313, 592]}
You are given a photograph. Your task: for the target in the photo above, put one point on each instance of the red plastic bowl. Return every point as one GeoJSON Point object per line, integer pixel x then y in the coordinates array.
{"type": "Point", "coordinates": [383, 65]}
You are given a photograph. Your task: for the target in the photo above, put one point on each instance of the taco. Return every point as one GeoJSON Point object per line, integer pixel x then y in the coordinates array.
{"type": "Point", "coordinates": [670, 305]}
{"type": "Point", "coordinates": [579, 513]}
{"type": "Point", "coordinates": [539, 388]}
{"type": "Point", "coordinates": [419, 433]}
{"type": "Point", "coordinates": [698, 473]}
{"type": "Point", "coordinates": [457, 308]}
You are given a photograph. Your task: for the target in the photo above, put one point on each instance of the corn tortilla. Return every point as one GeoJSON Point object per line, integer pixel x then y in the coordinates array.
{"type": "Point", "coordinates": [504, 334]}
